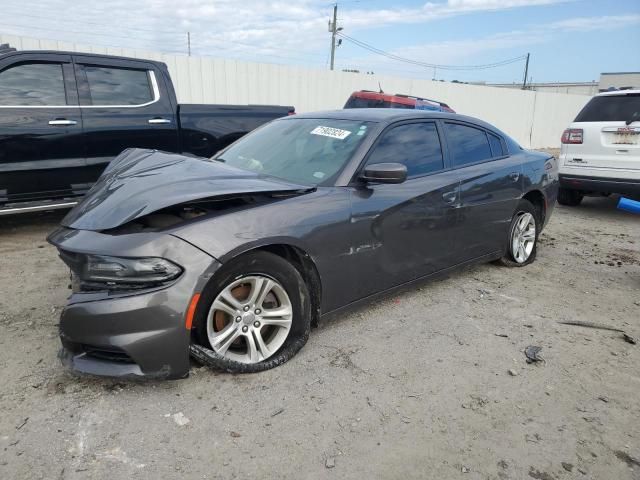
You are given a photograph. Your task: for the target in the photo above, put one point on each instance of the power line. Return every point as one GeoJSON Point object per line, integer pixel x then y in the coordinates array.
{"type": "Point", "coordinates": [391, 56]}
{"type": "Point", "coordinates": [205, 43]}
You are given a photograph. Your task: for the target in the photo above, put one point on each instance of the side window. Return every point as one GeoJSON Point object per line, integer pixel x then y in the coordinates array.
{"type": "Point", "coordinates": [118, 86]}
{"type": "Point", "coordinates": [496, 145]}
{"type": "Point", "coordinates": [33, 84]}
{"type": "Point", "coordinates": [468, 144]}
{"type": "Point", "coordinates": [416, 145]}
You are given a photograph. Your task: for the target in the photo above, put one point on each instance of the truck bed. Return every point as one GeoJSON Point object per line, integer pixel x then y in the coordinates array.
{"type": "Point", "coordinates": [206, 129]}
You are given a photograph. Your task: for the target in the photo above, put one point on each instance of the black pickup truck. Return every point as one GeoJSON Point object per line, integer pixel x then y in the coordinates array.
{"type": "Point", "coordinates": [64, 116]}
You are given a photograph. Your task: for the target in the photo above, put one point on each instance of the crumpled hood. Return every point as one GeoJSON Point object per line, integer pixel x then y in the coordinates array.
{"type": "Point", "coordinates": [139, 182]}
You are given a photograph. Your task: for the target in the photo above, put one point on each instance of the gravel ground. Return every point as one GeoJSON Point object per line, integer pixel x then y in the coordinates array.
{"type": "Point", "coordinates": [432, 383]}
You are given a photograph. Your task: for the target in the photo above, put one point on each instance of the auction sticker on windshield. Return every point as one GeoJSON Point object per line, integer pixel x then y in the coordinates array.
{"type": "Point", "coordinates": [331, 132]}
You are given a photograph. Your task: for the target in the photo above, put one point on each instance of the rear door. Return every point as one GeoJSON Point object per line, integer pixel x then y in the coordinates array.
{"type": "Point", "coordinates": [124, 105]}
{"type": "Point", "coordinates": [490, 187]}
{"type": "Point", "coordinates": [41, 144]}
{"type": "Point", "coordinates": [404, 231]}
{"type": "Point", "coordinates": [611, 135]}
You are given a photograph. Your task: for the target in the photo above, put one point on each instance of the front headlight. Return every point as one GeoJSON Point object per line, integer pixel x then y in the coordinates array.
{"type": "Point", "coordinates": [101, 272]}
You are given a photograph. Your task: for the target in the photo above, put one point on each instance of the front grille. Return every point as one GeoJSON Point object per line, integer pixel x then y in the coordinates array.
{"type": "Point", "coordinates": [110, 354]}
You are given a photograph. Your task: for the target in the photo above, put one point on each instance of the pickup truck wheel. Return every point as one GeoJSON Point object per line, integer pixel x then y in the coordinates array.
{"type": "Point", "coordinates": [523, 236]}
{"type": "Point", "coordinates": [254, 315]}
{"type": "Point", "coordinates": [570, 198]}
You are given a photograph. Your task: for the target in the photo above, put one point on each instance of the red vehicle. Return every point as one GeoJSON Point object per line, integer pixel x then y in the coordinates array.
{"type": "Point", "coordinates": [370, 99]}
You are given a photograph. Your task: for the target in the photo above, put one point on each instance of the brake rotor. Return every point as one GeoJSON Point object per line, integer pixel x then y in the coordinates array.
{"type": "Point", "coordinates": [221, 319]}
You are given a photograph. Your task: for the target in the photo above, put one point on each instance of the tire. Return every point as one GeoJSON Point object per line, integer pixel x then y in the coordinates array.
{"type": "Point", "coordinates": [525, 211]}
{"type": "Point", "coordinates": [570, 198]}
{"type": "Point", "coordinates": [288, 293]}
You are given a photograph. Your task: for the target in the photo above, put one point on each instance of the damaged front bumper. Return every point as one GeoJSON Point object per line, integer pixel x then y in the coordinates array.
{"type": "Point", "coordinates": [139, 333]}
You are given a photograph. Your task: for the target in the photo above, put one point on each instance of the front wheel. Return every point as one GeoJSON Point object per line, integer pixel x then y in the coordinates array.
{"type": "Point", "coordinates": [254, 315]}
{"type": "Point", "coordinates": [570, 198]}
{"type": "Point", "coordinates": [523, 236]}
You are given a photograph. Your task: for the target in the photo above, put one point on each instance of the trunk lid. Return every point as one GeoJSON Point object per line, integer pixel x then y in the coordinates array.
{"type": "Point", "coordinates": [139, 182]}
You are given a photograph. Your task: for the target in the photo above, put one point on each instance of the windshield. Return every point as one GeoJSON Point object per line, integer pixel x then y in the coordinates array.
{"type": "Point", "coordinates": [307, 151]}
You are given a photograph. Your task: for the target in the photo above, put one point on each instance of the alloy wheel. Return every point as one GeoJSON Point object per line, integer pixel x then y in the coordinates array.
{"type": "Point", "coordinates": [250, 319]}
{"type": "Point", "coordinates": [523, 237]}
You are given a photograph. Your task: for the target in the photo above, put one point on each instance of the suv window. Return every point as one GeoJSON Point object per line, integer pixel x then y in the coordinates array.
{"type": "Point", "coordinates": [357, 102]}
{"type": "Point", "coordinates": [33, 84]}
{"type": "Point", "coordinates": [611, 108]}
{"type": "Point", "coordinates": [468, 144]}
{"type": "Point", "coordinates": [118, 86]}
{"type": "Point", "coordinates": [416, 145]}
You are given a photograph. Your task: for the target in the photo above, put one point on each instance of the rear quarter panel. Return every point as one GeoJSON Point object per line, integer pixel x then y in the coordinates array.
{"type": "Point", "coordinates": [540, 172]}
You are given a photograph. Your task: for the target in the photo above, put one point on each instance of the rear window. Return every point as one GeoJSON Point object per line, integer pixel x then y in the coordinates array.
{"type": "Point", "coordinates": [611, 108]}
{"type": "Point", "coordinates": [355, 102]}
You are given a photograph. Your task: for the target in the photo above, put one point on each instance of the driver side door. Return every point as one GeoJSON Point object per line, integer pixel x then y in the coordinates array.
{"type": "Point", "coordinates": [405, 231]}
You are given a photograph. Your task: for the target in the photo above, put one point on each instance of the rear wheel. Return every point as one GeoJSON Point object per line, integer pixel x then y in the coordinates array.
{"type": "Point", "coordinates": [570, 198]}
{"type": "Point", "coordinates": [254, 315]}
{"type": "Point", "coordinates": [523, 236]}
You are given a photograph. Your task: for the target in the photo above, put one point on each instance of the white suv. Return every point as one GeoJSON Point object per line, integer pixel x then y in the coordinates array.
{"type": "Point", "coordinates": [600, 151]}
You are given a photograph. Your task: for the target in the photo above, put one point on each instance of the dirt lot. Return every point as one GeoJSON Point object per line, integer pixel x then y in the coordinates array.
{"type": "Point", "coordinates": [415, 386]}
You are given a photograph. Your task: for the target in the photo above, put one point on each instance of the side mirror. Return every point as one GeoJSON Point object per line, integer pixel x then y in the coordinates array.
{"type": "Point", "coordinates": [384, 173]}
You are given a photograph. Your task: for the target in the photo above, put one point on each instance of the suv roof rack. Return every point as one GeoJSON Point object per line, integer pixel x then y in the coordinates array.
{"type": "Point", "coordinates": [420, 98]}
{"type": "Point", "coordinates": [408, 96]}
{"type": "Point", "coordinates": [6, 48]}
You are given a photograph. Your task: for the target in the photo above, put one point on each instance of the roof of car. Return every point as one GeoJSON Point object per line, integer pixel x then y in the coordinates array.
{"type": "Point", "coordinates": [618, 92]}
{"type": "Point", "coordinates": [12, 52]}
{"type": "Point", "coordinates": [388, 115]}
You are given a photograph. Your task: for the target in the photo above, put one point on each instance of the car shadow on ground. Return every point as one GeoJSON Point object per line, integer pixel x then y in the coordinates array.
{"type": "Point", "coordinates": [598, 207]}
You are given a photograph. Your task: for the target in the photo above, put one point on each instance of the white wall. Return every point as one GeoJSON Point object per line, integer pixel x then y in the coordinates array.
{"type": "Point", "coordinates": [619, 80]}
{"type": "Point", "coordinates": [535, 119]}
{"type": "Point", "coordinates": [587, 88]}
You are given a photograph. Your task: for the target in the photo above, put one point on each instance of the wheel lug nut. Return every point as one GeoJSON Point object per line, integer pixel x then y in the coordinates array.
{"type": "Point", "coordinates": [256, 324]}
{"type": "Point", "coordinates": [238, 319]}
{"type": "Point", "coordinates": [245, 329]}
{"type": "Point", "coordinates": [246, 308]}
{"type": "Point", "coordinates": [258, 311]}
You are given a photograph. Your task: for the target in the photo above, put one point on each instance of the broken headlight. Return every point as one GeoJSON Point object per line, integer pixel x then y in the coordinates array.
{"type": "Point", "coordinates": [101, 272]}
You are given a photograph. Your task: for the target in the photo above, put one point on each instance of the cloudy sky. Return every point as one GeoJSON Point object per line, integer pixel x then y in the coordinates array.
{"type": "Point", "coordinates": [569, 40]}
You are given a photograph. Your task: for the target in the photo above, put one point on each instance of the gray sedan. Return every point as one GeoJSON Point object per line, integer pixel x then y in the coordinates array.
{"type": "Point", "coordinates": [233, 259]}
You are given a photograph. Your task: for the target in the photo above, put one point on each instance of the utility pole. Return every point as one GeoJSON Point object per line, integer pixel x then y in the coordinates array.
{"type": "Point", "coordinates": [333, 28]}
{"type": "Point", "coordinates": [189, 43]}
{"type": "Point", "coordinates": [526, 72]}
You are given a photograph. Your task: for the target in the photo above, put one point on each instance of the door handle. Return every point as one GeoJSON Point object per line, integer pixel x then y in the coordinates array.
{"type": "Point", "coordinates": [159, 121]}
{"type": "Point", "coordinates": [450, 197]}
{"type": "Point", "coordinates": [514, 176]}
{"type": "Point", "coordinates": [62, 122]}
